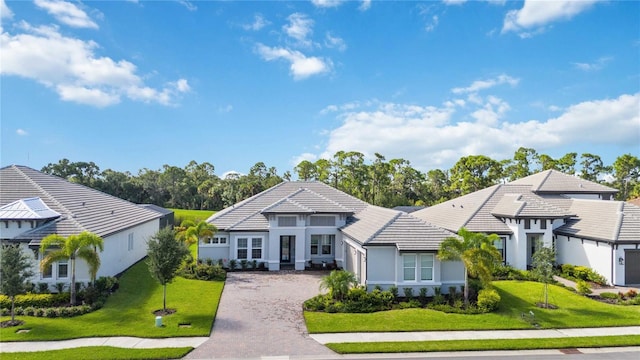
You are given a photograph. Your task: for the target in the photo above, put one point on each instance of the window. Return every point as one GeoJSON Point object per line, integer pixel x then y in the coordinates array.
{"type": "Point", "coordinates": [426, 267]}
{"type": "Point", "coordinates": [527, 223]}
{"type": "Point", "coordinates": [63, 269]}
{"type": "Point", "coordinates": [216, 240]}
{"type": "Point", "coordinates": [322, 244]}
{"type": "Point", "coordinates": [287, 221]}
{"type": "Point", "coordinates": [499, 244]}
{"type": "Point", "coordinates": [409, 264]}
{"type": "Point", "coordinates": [47, 273]}
{"type": "Point", "coordinates": [543, 224]}
{"type": "Point", "coordinates": [256, 248]}
{"type": "Point", "coordinates": [242, 248]}
{"type": "Point", "coordinates": [322, 221]}
{"type": "Point", "coordinates": [130, 242]}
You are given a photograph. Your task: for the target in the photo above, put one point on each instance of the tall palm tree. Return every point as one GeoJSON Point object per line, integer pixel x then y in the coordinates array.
{"type": "Point", "coordinates": [191, 232]}
{"type": "Point", "coordinates": [477, 253]}
{"type": "Point", "coordinates": [82, 246]}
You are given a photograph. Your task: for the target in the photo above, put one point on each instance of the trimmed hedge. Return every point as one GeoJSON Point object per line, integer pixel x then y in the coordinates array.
{"type": "Point", "coordinates": [52, 312]}
{"type": "Point", "coordinates": [35, 300]}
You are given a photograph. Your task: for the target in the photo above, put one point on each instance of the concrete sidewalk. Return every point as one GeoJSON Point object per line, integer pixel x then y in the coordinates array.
{"type": "Point", "coordinates": [472, 335]}
{"type": "Point", "coordinates": [116, 341]}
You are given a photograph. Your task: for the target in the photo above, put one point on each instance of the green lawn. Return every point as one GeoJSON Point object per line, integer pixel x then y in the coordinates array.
{"type": "Point", "coordinates": [129, 312]}
{"type": "Point", "coordinates": [195, 215]}
{"type": "Point", "coordinates": [518, 297]}
{"type": "Point", "coordinates": [100, 353]}
{"type": "Point", "coordinates": [479, 345]}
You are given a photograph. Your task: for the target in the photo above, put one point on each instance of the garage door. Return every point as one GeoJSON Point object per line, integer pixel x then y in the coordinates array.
{"type": "Point", "coordinates": [632, 267]}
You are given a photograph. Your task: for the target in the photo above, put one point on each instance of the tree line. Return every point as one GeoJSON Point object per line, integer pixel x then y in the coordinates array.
{"type": "Point", "coordinates": [382, 182]}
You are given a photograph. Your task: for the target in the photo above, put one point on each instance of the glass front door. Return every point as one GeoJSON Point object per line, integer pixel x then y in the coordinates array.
{"type": "Point", "coordinates": [287, 244]}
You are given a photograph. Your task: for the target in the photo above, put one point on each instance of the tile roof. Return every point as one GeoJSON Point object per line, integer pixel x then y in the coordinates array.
{"type": "Point", "coordinates": [611, 221]}
{"type": "Point", "coordinates": [27, 209]}
{"type": "Point", "coordinates": [287, 197]}
{"type": "Point", "coordinates": [380, 226]}
{"type": "Point", "coordinates": [552, 181]}
{"type": "Point", "coordinates": [81, 208]}
{"type": "Point", "coordinates": [527, 205]}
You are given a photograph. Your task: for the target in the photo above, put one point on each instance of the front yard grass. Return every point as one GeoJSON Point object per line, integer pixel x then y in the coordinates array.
{"type": "Point", "coordinates": [101, 353]}
{"type": "Point", "coordinates": [518, 297]}
{"type": "Point", "coordinates": [129, 312]}
{"type": "Point", "coordinates": [480, 345]}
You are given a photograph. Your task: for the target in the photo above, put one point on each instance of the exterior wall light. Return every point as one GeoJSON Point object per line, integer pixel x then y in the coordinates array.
{"type": "Point", "coordinates": [621, 260]}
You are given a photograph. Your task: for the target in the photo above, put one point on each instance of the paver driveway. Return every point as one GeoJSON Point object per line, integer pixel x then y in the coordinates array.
{"type": "Point", "coordinates": [260, 314]}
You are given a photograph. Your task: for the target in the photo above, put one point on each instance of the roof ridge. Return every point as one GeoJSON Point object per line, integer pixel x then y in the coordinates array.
{"type": "Point", "coordinates": [486, 199]}
{"type": "Point", "coordinates": [381, 228]}
{"type": "Point", "coordinates": [68, 213]}
{"type": "Point", "coordinates": [620, 213]}
{"type": "Point", "coordinates": [327, 199]}
{"type": "Point", "coordinates": [242, 202]}
{"type": "Point", "coordinates": [546, 177]}
{"type": "Point", "coordinates": [283, 199]}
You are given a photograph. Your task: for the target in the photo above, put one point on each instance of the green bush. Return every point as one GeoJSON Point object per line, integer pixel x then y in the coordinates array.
{"type": "Point", "coordinates": [358, 300]}
{"type": "Point", "coordinates": [35, 300]}
{"type": "Point", "coordinates": [394, 291]}
{"type": "Point", "coordinates": [446, 308]}
{"type": "Point", "coordinates": [567, 270]}
{"type": "Point", "coordinates": [582, 273]}
{"type": "Point", "coordinates": [609, 295]}
{"type": "Point", "coordinates": [488, 300]}
{"type": "Point", "coordinates": [411, 304]}
{"type": "Point", "coordinates": [583, 288]}
{"type": "Point", "coordinates": [203, 271]}
{"type": "Point", "coordinates": [408, 293]}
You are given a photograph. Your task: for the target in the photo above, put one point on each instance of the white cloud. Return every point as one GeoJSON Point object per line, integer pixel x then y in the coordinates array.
{"type": "Point", "coordinates": [22, 132]}
{"type": "Point", "coordinates": [67, 13]}
{"type": "Point", "coordinates": [486, 84]}
{"type": "Point", "coordinates": [5, 12]}
{"type": "Point", "coordinates": [535, 15]}
{"type": "Point", "coordinates": [334, 42]}
{"type": "Point", "coordinates": [304, 156]}
{"type": "Point", "coordinates": [326, 3]}
{"type": "Point", "coordinates": [299, 27]}
{"type": "Point", "coordinates": [454, 2]}
{"type": "Point", "coordinates": [365, 5]}
{"type": "Point", "coordinates": [594, 66]}
{"type": "Point", "coordinates": [430, 137]}
{"type": "Point", "coordinates": [225, 109]}
{"type": "Point", "coordinates": [301, 66]}
{"type": "Point", "coordinates": [188, 4]}
{"type": "Point", "coordinates": [432, 24]}
{"type": "Point", "coordinates": [258, 23]}
{"type": "Point", "coordinates": [71, 68]}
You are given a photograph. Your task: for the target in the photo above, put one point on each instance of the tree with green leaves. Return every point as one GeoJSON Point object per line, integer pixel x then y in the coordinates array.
{"type": "Point", "coordinates": [477, 253]}
{"type": "Point", "coordinates": [192, 233]}
{"type": "Point", "coordinates": [474, 172]}
{"type": "Point", "coordinates": [338, 283]}
{"type": "Point", "coordinates": [83, 246]}
{"type": "Point", "coordinates": [165, 255]}
{"type": "Point", "coordinates": [542, 267]}
{"type": "Point", "coordinates": [626, 171]}
{"type": "Point", "coordinates": [15, 271]}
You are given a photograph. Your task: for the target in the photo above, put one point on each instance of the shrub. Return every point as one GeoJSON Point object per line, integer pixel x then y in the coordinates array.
{"type": "Point", "coordinates": [583, 288]}
{"type": "Point", "coordinates": [244, 264]}
{"type": "Point", "coordinates": [35, 300]}
{"type": "Point", "coordinates": [254, 264]}
{"type": "Point", "coordinates": [106, 284]}
{"type": "Point", "coordinates": [488, 300]}
{"type": "Point", "coordinates": [208, 261]}
{"type": "Point", "coordinates": [394, 291]}
{"type": "Point", "coordinates": [233, 264]}
{"type": "Point", "coordinates": [204, 272]}
{"type": "Point", "coordinates": [408, 293]}
{"type": "Point", "coordinates": [630, 294]}
{"type": "Point", "coordinates": [411, 304]}
{"type": "Point", "coordinates": [567, 270]}
{"type": "Point", "coordinates": [610, 296]}
{"type": "Point", "coordinates": [59, 287]}
{"type": "Point", "coordinates": [422, 296]}
{"type": "Point", "coordinates": [43, 288]}
{"type": "Point", "coordinates": [452, 292]}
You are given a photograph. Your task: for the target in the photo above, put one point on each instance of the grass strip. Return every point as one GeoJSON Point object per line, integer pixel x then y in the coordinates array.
{"type": "Point", "coordinates": [518, 297]}
{"type": "Point", "coordinates": [478, 345]}
{"type": "Point", "coordinates": [100, 353]}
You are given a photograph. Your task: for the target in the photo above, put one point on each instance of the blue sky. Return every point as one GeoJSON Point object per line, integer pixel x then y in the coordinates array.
{"type": "Point", "coordinates": [135, 84]}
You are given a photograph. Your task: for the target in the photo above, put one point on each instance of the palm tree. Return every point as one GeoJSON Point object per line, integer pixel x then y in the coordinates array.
{"type": "Point", "coordinates": [191, 232]}
{"type": "Point", "coordinates": [477, 253]}
{"type": "Point", "coordinates": [82, 246]}
{"type": "Point", "coordinates": [338, 283]}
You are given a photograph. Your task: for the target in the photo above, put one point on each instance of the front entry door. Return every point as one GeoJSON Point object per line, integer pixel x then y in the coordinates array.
{"type": "Point", "coordinates": [287, 245]}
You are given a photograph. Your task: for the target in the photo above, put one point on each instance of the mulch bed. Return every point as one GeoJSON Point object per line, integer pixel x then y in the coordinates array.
{"type": "Point", "coordinates": [163, 312]}
{"type": "Point", "coordinates": [9, 323]}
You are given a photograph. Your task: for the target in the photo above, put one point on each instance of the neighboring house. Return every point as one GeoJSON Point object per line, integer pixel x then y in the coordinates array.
{"type": "Point", "coordinates": [34, 205]}
{"type": "Point", "coordinates": [297, 224]}
{"type": "Point", "coordinates": [572, 214]}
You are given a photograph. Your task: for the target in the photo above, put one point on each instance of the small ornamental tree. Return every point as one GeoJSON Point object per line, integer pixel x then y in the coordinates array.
{"type": "Point", "coordinates": [191, 232]}
{"type": "Point", "coordinates": [166, 254]}
{"type": "Point", "coordinates": [338, 283]}
{"type": "Point", "coordinates": [15, 270]}
{"type": "Point", "coordinates": [542, 267]}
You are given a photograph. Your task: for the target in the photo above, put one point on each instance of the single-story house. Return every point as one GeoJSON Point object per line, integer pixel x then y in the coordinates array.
{"type": "Point", "coordinates": [34, 205]}
{"type": "Point", "coordinates": [297, 224]}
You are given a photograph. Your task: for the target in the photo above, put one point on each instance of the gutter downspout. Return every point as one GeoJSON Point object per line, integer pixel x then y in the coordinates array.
{"type": "Point", "coordinates": [612, 264]}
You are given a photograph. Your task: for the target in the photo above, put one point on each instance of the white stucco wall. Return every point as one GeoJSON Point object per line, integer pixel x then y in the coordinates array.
{"type": "Point", "coordinates": [517, 246]}
{"type": "Point", "coordinates": [381, 265]}
{"type": "Point", "coordinates": [116, 256]}
{"type": "Point", "coordinates": [12, 228]}
{"type": "Point", "coordinates": [596, 255]}
{"type": "Point", "coordinates": [216, 251]}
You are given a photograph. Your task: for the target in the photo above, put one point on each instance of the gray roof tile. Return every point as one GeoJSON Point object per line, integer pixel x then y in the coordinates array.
{"type": "Point", "coordinates": [81, 208]}
{"type": "Point", "coordinates": [552, 181]}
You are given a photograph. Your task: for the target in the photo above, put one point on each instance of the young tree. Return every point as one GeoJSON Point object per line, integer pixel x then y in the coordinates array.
{"type": "Point", "coordinates": [477, 253]}
{"type": "Point", "coordinates": [542, 263]}
{"type": "Point", "coordinates": [192, 233]}
{"type": "Point", "coordinates": [15, 270]}
{"type": "Point", "coordinates": [338, 283]}
{"type": "Point", "coordinates": [166, 254]}
{"type": "Point", "coordinates": [82, 246]}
